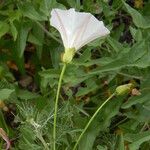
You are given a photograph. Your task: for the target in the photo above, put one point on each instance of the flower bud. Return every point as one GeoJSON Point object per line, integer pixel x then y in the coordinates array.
{"type": "Point", "coordinates": [123, 89]}
{"type": "Point", "coordinates": [68, 55]}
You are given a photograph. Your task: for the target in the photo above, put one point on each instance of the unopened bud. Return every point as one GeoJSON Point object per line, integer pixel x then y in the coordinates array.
{"type": "Point", "coordinates": [68, 55]}
{"type": "Point", "coordinates": [123, 89]}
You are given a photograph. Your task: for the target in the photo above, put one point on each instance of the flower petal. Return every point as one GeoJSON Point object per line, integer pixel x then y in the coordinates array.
{"type": "Point", "coordinates": [68, 23]}
{"type": "Point", "coordinates": [76, 28]}
{"type": "Point", "coordinates": [93, 30]}
{"type": "Point", "coordinates": [57, 21]}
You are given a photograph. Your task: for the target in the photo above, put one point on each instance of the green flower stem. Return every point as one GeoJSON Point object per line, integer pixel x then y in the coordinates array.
{"type": "Point", "coordinates": [92, 118]}
{"type": "Point", "coordinates": [56, 105]}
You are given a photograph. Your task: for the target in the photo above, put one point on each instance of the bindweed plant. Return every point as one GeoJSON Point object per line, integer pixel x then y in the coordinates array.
{"type": "Point", "coordinates": [85, 87]}
{"type": "Point", "coordinates": [76, 29]}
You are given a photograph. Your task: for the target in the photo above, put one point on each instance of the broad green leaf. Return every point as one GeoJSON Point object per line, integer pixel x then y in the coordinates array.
{"type": "Point", "coordinates": [47, 5]}
{"type": "Point", "coordinates": [5, 93]}
{"type": "Point", "coordinates": [55, 53]}
{"type": "Point", "coordinates": [129, 126]}
{"type": "Point", "coordinates": [29, 11]}
{"type": "Point", "coordinates": [39, 34]}
{"type": "Point", "coordinates": [99, 147]}
{"type": "Point", "coordinates": [117, 32]}
{"type": "Point", "coordinates": [137, 56]}
{"type": "Point", "coordinates": [14, 15]}
{"type": "Point", "coordinates": [136, 34]}
{"type": "Point", "coordinates": [136, 100]}
{"type": "Point", "coordinates": [50, 73]}
{"type": "Point", "coordinates": [90, 87]}
{"type": "Point", "coordinates": [138, 19]}
{"type": "Point", "coordinates": [73, 75]}
{"type": "Point", "coordinates": [22, 38]}
{"type": "Point", "coordinates": [120, 142]}
{"type": "Point", "coordinates": [115, 65]}
{"type": "Point", "coordinates": [108, 12]}
{"type": "Point", "coordinates": [85, 56]}
{"type": "Point", "coordinates": [89, 137]}
{"type": "Point", "coordinates": [141, 114]}
{"type": "Point", "coordinates": [33, 39]}
{"type": "Point", "coordinates": [137, 139]}
{"type": "Point", "coordinates": [26, 95]}
{"type": "Point", "coordinates": [117, 4]}
{"type": "Point", "coordinates": [115, 44]}
{"type": "Point", "coordinates": [100, 61]}
{"type": "Point", "coordinates": [144, 61]}
{"type": "Point", "coordinates": [20, 44]}
{"type": "Point", "coordinates": [4, 28]}
{"type": "Point", "coordinates": [13, 30]}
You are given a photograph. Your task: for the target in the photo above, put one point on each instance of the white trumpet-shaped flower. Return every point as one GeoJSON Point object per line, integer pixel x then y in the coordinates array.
{"type": "Point", "coordinates": [76, 28]}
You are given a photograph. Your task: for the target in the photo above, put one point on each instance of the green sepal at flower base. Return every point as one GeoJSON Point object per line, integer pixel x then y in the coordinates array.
{"type": "Point", "coordinates": [68, 55]}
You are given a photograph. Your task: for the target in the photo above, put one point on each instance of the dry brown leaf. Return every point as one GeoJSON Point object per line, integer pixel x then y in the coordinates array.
{"type": "Point", "coordinates": [5, 138]}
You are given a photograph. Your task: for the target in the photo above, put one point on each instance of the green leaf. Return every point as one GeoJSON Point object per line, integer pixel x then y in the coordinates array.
{"type": "Point", "coordinates": [47, 5]}
{"type": "Point", "coordinates": [55, 53]}
{"type": "Point", "coordinates": [4, 28]}
{"type": "Point", "coordinates": [29, 11]}
{"type": "Point", "coordinates": [26, 95]}
{"type": "Point", "coordinates": [99, 147]}
{"type": "Point", "coordinates": [101, 61]}
{"type": "Point", "coordinates": [136, 34]}
{"type": "Point", "coordinates": [5, 93]}
{"type": "Point", "coordinates": [137, 139]}
{"type": "Point", "coordinates": [39, 34]}
{"type": "Point", "coordinates": [33, 39]}
{"type": "Point", "coordinates": [115, 44]}
{"type": "Point", "coordinates": [109, 13]}
{"type": "Point", "coordinates": [50, 73]}
{"type": "Point", "coordinates": [137, 56]}
{"type": "Point", "coordinates": [13, 30]}
{"type": "Point", "coordinates": [22, 38]}
{"type": "Point", "coordinates": [129, 126]}
{"type": "Point", "coordinates": [138, 19]}
{"type": "Point", "coordinates": [14, 15]}
{"type": "Point", "coordinates": [141, 114]}
{"type": "Point", "coordinates": [136, 100]}
{"type": "Point", "coordinates": [85, 57]}
{"type": "Point", "coordinates": [90, 86]}
{"type": "Point", "coordinates": [120, 142]}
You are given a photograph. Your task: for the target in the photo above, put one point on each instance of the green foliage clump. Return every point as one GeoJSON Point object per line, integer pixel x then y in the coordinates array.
{"type": "Point", "coordinates": [30, 49]}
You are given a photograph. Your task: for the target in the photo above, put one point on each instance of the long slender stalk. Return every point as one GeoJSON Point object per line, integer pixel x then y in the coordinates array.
{"type": "Point", "coordinates": [56, 105]}
{"type": "Point", "coordinates": [92, 118]}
